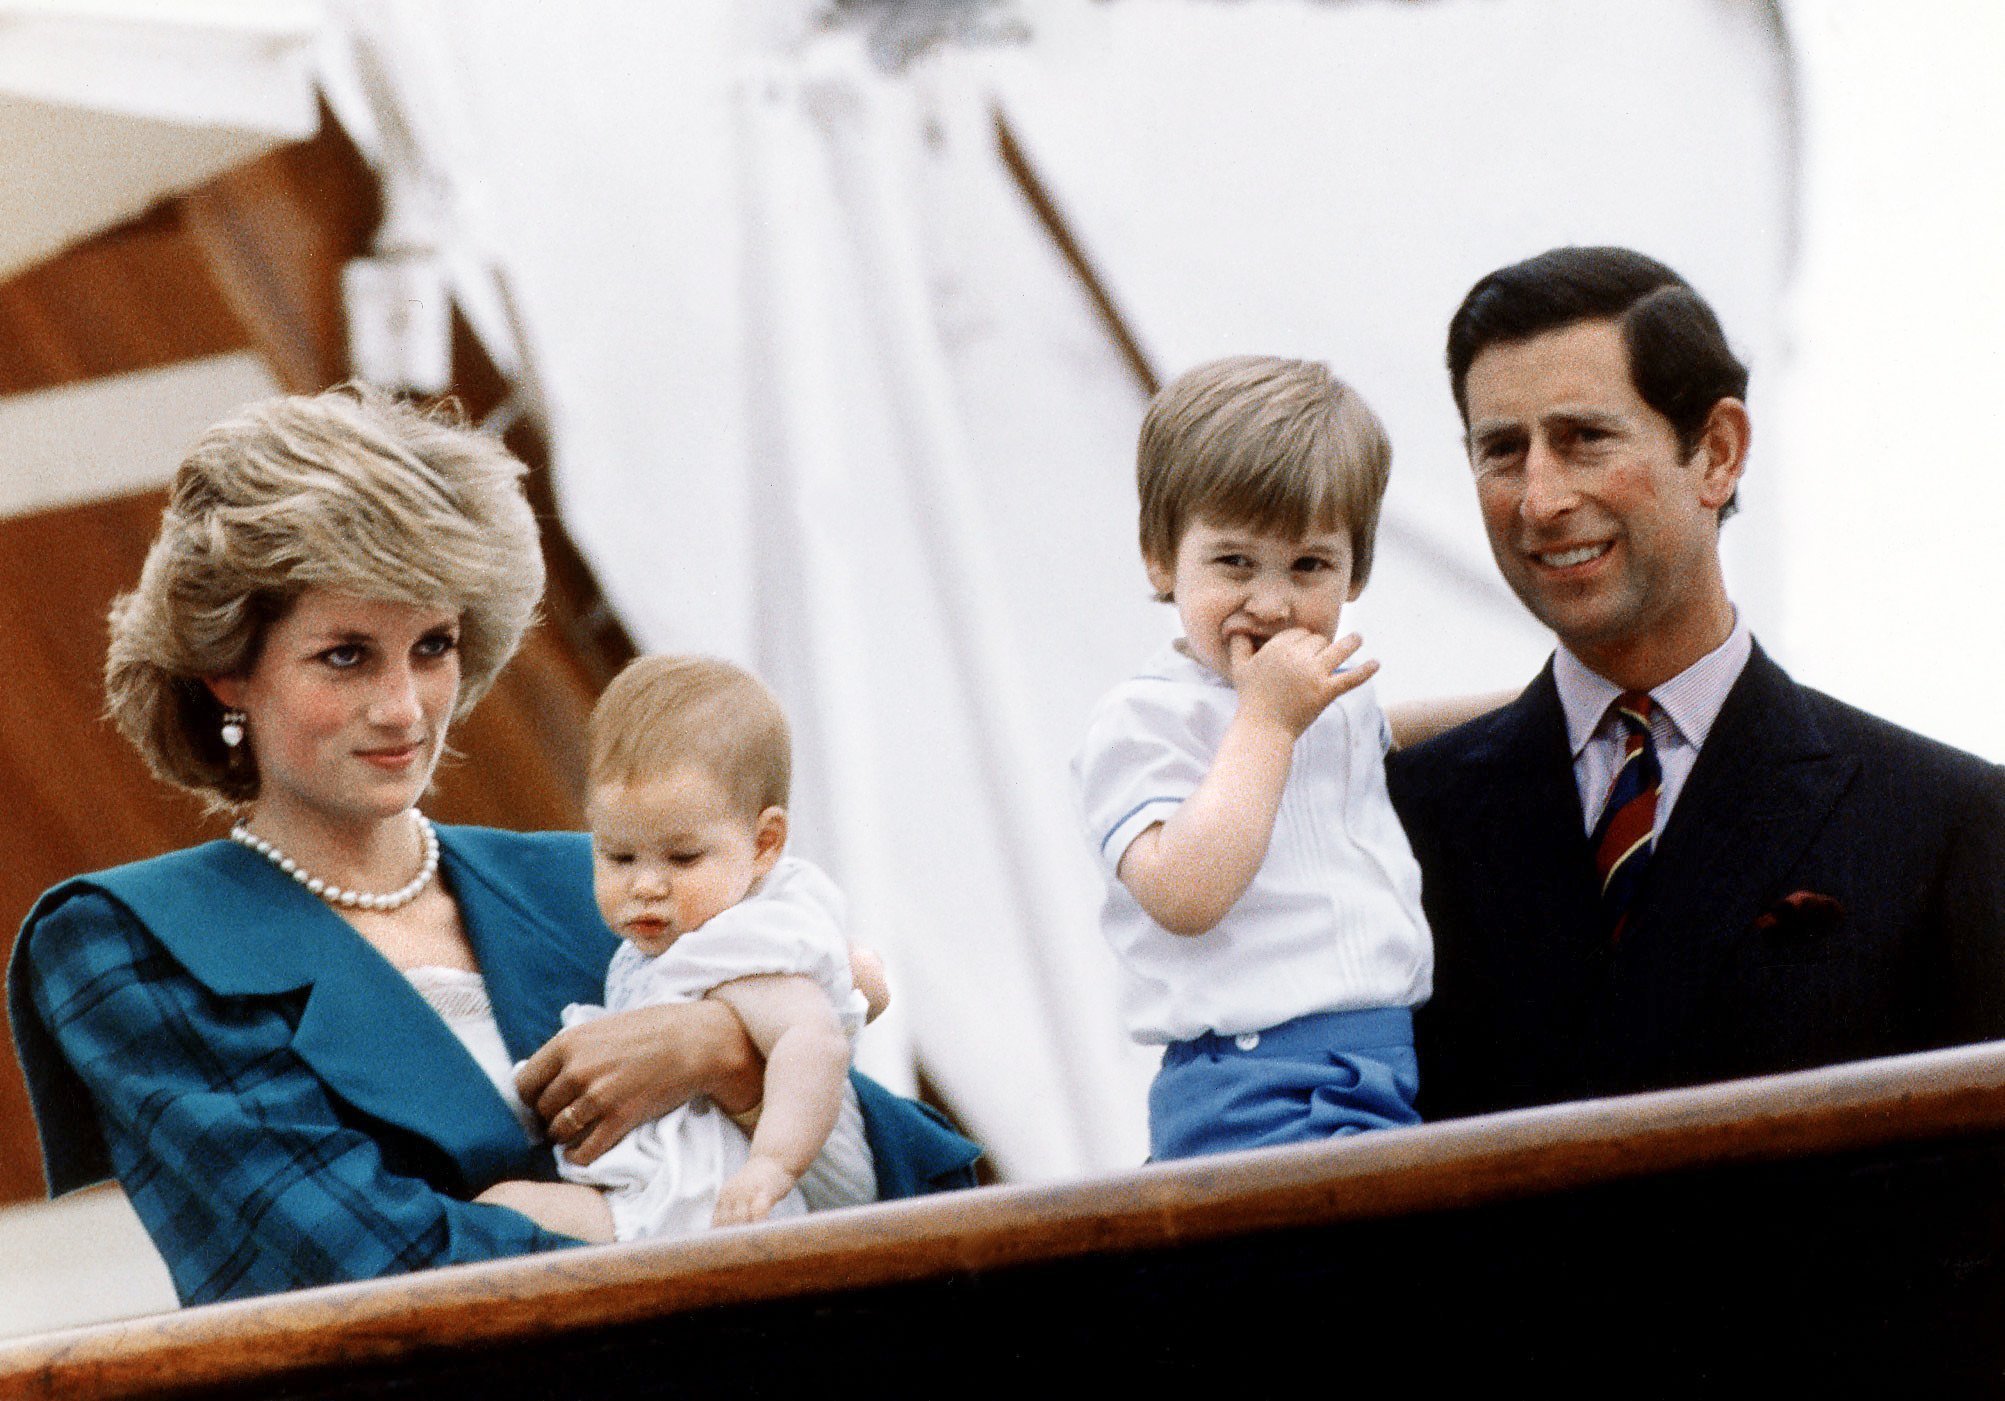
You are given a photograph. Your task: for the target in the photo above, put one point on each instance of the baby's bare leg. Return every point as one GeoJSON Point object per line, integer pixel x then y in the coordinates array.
{"type": "Point", "coordinates": [568, 1208]}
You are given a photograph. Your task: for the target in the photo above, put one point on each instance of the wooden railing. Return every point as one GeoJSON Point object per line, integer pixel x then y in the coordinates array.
{"type": "Point", "coordinates": [913, 1286]}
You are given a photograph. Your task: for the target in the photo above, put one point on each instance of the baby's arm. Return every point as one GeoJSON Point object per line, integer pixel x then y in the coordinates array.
{"type": "Point", "coordinates": [1188, 871]}
{"type": "Point", "coordinates": [789, 1019]}
{"type": "Point", "coordinates": [866, 970]}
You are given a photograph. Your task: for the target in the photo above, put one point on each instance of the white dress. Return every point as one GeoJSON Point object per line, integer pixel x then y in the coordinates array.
{"type": "Point", "coordinates": [662, 1179]}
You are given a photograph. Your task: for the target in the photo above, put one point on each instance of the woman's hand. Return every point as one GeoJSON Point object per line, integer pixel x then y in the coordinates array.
{"type": "Point", "coordinates": [568, 1208]}
{"type": "Point", "coordinates": [592, 1084]}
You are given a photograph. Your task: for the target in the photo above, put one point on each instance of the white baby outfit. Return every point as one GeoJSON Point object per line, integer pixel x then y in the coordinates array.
{"type": "Point", "coordinates": [662, 1179]}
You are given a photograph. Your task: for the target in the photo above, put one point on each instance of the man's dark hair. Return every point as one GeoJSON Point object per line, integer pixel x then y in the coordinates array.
{"type": "Point", "coordinates": [1679, 359]}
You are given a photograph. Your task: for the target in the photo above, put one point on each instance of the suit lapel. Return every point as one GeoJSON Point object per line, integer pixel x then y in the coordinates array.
{"type": "Point", "coordinates": [1524, 807]}
{"type": "Point", "coordinates": [1765, 781]}
{"type": "Point", "coordinates": [242, 928]}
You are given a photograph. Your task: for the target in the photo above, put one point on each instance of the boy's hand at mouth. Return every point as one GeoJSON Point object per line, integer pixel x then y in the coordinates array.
{"type": "Point", "coordinates": [1292, 677]}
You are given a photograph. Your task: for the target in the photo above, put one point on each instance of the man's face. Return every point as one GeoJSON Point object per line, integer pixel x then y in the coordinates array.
{"type": "Point", "coordinates": [1600, 525]}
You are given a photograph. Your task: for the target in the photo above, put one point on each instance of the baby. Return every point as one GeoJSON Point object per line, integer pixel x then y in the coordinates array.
{"type": "Point", "coordinates": [687, 801]}
{"type": "Point", "coordinates": [1262, 900]}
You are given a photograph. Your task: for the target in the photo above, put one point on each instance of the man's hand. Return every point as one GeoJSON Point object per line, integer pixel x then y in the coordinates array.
{"type": "Point", "coordinates": [568, 1208]}
{"type": "Point", "coordinates": [594, 1083]}
{"type": "Point", "coordinates": [751, 1193]}
{"type": "Point", "coordinates": [1292, 679]}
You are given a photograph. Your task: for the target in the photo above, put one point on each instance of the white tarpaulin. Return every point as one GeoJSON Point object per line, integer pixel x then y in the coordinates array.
{"type": "Point", "coordinates": [107, 107]}
{"type": "Point", "coordinates": [827, 400]}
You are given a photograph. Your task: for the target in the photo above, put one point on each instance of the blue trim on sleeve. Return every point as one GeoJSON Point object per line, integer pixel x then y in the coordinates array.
{"type": "Point", "coordinates": [1129, 816]}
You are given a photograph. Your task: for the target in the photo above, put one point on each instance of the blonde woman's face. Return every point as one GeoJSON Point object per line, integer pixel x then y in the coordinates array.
{"type": "Point", "coordinates": [348, 705]}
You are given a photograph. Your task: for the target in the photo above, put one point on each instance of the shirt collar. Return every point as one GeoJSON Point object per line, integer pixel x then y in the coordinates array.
{"type": "Point", "coordinates": [1691, 700]}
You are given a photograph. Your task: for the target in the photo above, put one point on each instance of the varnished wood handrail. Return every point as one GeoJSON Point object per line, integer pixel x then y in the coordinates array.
{"type": "Point", "coordinates": [1468, 1162]}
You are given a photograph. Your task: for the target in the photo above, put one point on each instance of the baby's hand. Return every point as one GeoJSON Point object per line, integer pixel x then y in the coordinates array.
{"type": "Point", "coordinates": [752, 1192]}
{"type": "Point", "coordinates": [1293, 678]}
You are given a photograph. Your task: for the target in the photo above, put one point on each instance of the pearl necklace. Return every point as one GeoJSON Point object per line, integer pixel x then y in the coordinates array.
{"type": "Point", "coordinates": [351, 899]}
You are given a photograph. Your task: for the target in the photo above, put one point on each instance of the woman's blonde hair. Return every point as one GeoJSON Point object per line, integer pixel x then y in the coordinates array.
{"type": "Point", "coordinates": [350, 489]}
{"type": "Point", "coordinates": [665, 711]}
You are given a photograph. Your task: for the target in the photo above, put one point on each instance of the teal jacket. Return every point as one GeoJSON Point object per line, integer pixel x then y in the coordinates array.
{"type": "Point", "coordinates": [280, 1105]}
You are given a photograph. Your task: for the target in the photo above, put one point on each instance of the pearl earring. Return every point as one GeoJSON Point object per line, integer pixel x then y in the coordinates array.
{"type": "Point", "coordinates": [233, 727]}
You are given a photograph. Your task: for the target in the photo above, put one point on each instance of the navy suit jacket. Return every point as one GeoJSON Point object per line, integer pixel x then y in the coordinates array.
{"type": "Point", "coordinates": [280, 1105]}
{"type": "Point", "coordinates": [1828, 887]}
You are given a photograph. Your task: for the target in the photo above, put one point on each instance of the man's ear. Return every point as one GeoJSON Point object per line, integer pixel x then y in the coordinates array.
{"type": "Point", "coordinates": [1722, 452]}
{"type": "Point", "coordinates": [227, 689]}
{"type": "Point", "coordinates": [769, 839]}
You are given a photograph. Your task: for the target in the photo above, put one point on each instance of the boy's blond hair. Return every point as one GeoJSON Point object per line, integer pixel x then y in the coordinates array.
{"type": "Point", "coordinates": [1265, 442]}
{"type": "Point", "coordinates": [664, 711]}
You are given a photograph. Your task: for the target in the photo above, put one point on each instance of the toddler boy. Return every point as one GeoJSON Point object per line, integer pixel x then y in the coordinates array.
{"type": "Point", "coordinates": [1262, 899]}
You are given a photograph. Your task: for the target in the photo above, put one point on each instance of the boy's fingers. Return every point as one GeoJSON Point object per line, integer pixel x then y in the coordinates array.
{"type": "Point", "coordinates": [1344, 682]}
{"type": "Point", "coordinates": [1341, 649]}
{"type": "Point", "coordinates": [1238, 650]}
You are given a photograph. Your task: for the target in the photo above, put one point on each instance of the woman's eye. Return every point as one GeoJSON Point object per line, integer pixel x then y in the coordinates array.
{"type": "Point", "coordinates": [344, 657]}
{"type": "Point", "coordinates": [436, 644]}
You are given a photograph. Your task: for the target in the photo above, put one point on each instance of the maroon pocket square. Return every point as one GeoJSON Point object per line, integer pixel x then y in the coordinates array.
{"type": "Point", "coordinates": [1800, 915]}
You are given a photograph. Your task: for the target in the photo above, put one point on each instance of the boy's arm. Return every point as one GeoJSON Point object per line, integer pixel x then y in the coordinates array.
{"type": "Point", "coordinates": [1189, 871]}
{"type": "Point", "coordinates": [790, 1020]}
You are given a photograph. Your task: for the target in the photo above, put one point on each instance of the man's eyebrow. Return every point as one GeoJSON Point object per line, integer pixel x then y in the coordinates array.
{"type": "Point", "coordinates": [1490, 428]}
{"type": "Point", "coordinates": [1583, 414]}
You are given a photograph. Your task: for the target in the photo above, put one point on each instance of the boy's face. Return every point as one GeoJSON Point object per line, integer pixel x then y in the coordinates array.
{"type": "Point", "coordinates": [1232, 580]}
{"type": "Point", "coordinates": [670, 853]}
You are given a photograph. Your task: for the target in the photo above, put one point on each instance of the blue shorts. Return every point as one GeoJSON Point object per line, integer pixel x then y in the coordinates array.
{"type": "Point", "coordinates": [1315, 1077]}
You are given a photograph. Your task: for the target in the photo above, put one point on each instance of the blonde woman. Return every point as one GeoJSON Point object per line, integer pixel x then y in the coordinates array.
{"type": "Point", "coordinates": [293, 1047]}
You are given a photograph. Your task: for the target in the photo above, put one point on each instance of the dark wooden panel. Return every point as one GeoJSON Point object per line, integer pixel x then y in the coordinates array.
{"type": "Point", "coordinates": [74, 795]}
{"type": "Point", "coordinates": [1811, 1223]}
{"type": "Point", "coordinates": [275, 234]}
{"type": "Point", "coordinates": [136, 298]}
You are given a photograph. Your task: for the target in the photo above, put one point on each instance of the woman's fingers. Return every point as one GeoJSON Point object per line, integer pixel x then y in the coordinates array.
{"type": "Point", "coordinates": [534, 1075]}
{"type": "Point", "coordinates": [602, 1135]}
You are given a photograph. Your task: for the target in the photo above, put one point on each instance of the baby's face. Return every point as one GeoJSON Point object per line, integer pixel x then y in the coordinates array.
{"type": "Point", "coordinates": [1236, 581]}
{"type": "Point", "coordinates": [670, 853]}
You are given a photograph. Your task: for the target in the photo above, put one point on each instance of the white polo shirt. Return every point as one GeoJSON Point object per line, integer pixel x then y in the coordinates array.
{"type": "Point", "coordinates": [1331, 923]}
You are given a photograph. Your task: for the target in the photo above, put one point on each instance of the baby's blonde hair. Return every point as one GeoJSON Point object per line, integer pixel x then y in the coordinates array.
{"type": "Point", "coordinates": [1263, 442]}
{"type": "Point", "coordinates": [664, 711]}
{"type": "Point", "coordinates": [350, 489]}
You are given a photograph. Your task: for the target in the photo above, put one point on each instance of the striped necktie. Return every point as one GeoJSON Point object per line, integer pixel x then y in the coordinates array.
{"type": "Point", "coordinates": [1622, 838]}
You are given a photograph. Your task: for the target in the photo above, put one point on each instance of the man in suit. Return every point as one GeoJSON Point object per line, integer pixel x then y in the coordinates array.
{"type": "Point", "coordinates": [1666, 862]}
{"type": "Point", "coordinates": [1797, 882]}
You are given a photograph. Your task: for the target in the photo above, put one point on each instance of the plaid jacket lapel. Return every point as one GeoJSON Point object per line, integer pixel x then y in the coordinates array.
{"type": "Point", "coordinates": [243, 929]}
